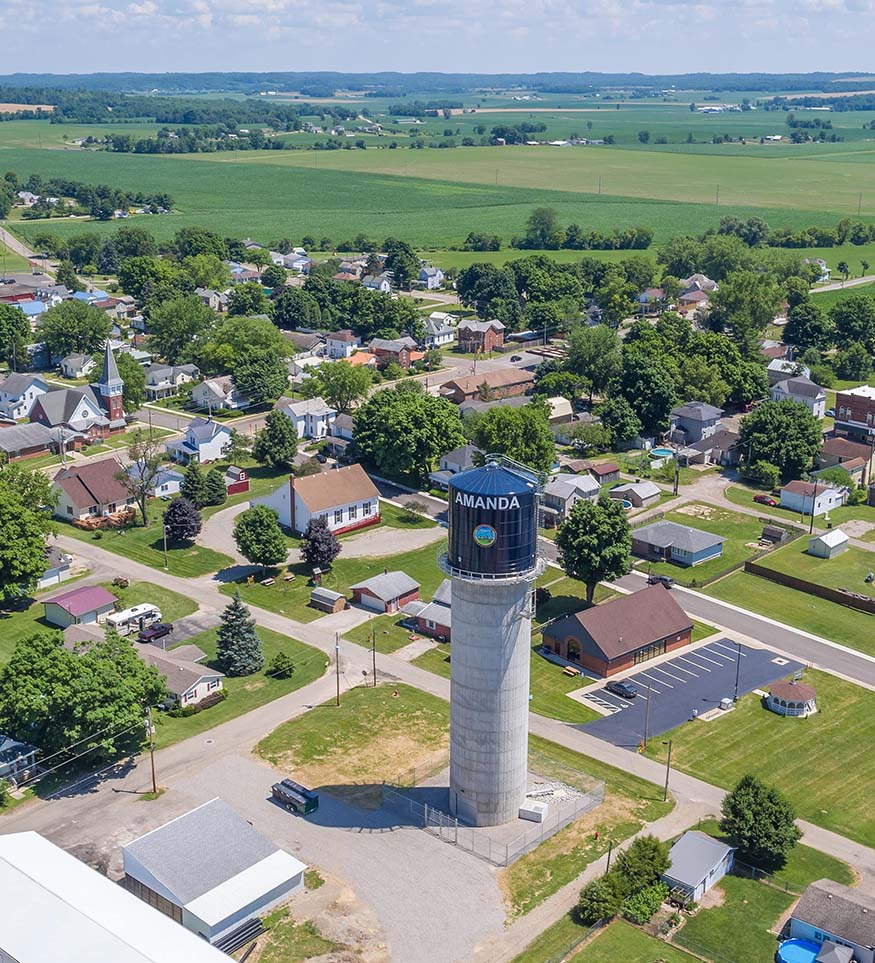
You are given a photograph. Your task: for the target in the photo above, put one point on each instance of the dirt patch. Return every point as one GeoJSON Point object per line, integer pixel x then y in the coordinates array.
{"type": "Point", "coordinates": [713, 898]}
{"type": "Point", "coordinates": [856, 528]}
{"type": "Point", "coordinates": [15, 108]}
{"type": "Point", "coordinates": [697, 511]}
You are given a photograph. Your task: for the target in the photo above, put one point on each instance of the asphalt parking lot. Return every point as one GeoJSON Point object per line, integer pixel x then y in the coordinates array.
{"type": "Point", "coordinates": [694, 679]}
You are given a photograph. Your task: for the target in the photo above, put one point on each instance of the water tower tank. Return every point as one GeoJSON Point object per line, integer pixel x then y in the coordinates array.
{"type": "Point", "coordinates": [493, 521]}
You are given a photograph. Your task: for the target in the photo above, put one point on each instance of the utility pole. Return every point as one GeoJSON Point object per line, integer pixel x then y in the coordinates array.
{"type": "Point", "coordinates": [647, 717]}
{"type": "Point", "coordinates": [667, 771]}
{"type": "Point", "coordinates": [337, 664]}
{"type": "Point", "coordinates": [374, 654]}
{"type": "Point", "coordinates": [610, 848]}
{"type": "Point", "coordinates": [164, 531]}
{"type": "Point", "coordinates": [813, 506]}
{"type": "Point", "coordinates": [152, 748]}
{"type": "Point", "coordinates": [151, 437]}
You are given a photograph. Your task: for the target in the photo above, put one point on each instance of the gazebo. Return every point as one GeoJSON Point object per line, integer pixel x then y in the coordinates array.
{"type": "Point", "coordinates": [792, 699]}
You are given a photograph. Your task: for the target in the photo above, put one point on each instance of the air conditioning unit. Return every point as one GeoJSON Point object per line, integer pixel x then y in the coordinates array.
{"type": "Point", "coordinates": [535, 812]}
{"type": "Point", "coordinates": [725, 704]}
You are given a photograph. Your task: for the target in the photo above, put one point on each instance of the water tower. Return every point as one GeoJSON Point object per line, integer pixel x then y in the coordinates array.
{"type": "Point", "coordinates": [492, 558]}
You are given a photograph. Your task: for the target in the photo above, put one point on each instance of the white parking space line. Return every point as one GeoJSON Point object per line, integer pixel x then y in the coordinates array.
{"type": "Point", "coordinates": [720, 645]}
{"type": "Point", "coordinates": [701, 655]}
{"type": "Point", "coordinates": [696, 664]}
{"type": "Point", "coordinates": [660, 681]}
{"type": "Point", "coordinates": [680, 668]}
{"type": "Point", "coordinates": [677, 678]}
{"type": "Point", "coordinates": [718, 655]}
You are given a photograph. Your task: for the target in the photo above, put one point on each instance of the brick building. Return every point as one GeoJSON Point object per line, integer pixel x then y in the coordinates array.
{"type": "Point", "coordinates": [504, 383]}
{"type": "Point", "coordinates": [480, 336]}
{"type": "Point", "coordinates": [622, 633]}
{"type": "Point", "coordinates": [855, 411]}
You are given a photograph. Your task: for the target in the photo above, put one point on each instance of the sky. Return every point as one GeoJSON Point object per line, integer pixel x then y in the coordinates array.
{"type": "Point", "coordinates": [520, 36]}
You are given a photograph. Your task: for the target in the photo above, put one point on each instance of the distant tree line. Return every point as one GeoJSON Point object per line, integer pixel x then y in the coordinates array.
{"type": "Point", "coordinates": [544, 233]}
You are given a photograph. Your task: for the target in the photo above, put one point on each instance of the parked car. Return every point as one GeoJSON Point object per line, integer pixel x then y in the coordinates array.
{"type": "Point", "coordinates": [516, 357]}
{"type": "Point", "coordinates": [665, 580]}
{"type": "Point", "coordinates": [830, 412]}
{"type": "Point", "coordinates": [155, 632]}
{"type": "Point", "coordinates": [626, 690]}
{"type": "Point", "coordinates": [765, 500]}
{"type": "Point", "coordinates": [321, 458]}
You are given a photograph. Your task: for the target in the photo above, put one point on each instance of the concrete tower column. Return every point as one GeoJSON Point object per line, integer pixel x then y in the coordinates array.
{"type": "Point", "coordinates": [489, 703]}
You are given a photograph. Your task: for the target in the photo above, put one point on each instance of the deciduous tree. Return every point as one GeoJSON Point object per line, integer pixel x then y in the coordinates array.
{"type": "Point", "coordinates": [73, 326]}
{"type": "Point", "coordinates": [319, 546]}
{"type": "Point", "coordinates": [178, 328]}
{"type": "Point", "coordinates": [784, 433]}
{"type": "Point", "coordinates": [259, 537]}
{"type": "Point", "coordinates": [276, 443]}
{"type": "Point", "coordinates": [341, 384]}
{"type": "Point", "coordinates": [594, 542]}
{"type": "Point", "coordinates": [144, 457]}
{"type": "Point", "coordinates": [26, 498]}
{"type": "Point", "coordinates": [520, 433]}
{"type": "Point", "coordinates": [182, 520]}
{"type": "Point", "coordinates": [759, 820]}
{"type": "Point", "coordinates": [261, 374]}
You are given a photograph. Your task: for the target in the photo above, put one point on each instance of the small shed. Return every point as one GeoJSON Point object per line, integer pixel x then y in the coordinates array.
{"type": "Point", "coordinates": [387, 592]}
{"type": "Point", "coordinates": [774, 534]}
{"type": "Point", "coordinates": [829, 544]}
{"type": "Point", "coordinates": [327, 601]}
{"type": "Point", "coordinates": [698, 861]}
{"type": "Point", "coordinates": [792, 699]}
{"type": "Point", "coordinates": [79, 606]}
{"type": "Point", "coordinates": [236, 480]}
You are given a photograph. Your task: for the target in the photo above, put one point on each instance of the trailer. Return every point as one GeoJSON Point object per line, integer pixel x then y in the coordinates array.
{"type": "Point", "coordinates": [295, 797]}
{"type": "Point", "coordinates": [133, 620]}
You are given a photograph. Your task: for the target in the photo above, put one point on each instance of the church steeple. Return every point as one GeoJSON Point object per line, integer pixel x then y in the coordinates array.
{"type": "Point", "coordinates": [110, 387]}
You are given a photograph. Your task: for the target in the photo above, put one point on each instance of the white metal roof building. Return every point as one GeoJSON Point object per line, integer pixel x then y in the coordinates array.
{"type": "Point", "coordinates": [216, 870]}
{"type": "Point", "coordinates": [58, 910]}
{"type": "Point", "coordinates": [698, 861]}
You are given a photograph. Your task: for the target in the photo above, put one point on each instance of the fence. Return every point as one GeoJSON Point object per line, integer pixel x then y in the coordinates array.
{"type": "Point", "coordinates": [754, 872]}
{"type": "Point", "coordinates": [573, 944]}
{"type": "Point", "coordinates": [476, 841]}
{"type": "Point", "coordinates": [862, 603]}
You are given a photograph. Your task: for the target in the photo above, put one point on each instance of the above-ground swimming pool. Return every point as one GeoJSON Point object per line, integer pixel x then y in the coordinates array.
{"type": "Point", "coordinates": [798, 951]}
{"type": "Point", "coordinates": [627, 504]}
{"type": "Point", "coordinates": [662, 452]}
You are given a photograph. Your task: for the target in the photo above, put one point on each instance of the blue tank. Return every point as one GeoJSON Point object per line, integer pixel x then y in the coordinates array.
{"type": "Point", "coordinates": [493, 521]}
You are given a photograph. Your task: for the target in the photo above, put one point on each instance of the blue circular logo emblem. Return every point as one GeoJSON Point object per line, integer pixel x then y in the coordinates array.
{"type": "Point", "coordinates": [484, 536]}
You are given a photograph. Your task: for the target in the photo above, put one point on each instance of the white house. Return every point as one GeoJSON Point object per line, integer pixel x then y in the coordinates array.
{"type": "Point", "coordinates": [801, 496]}
{"type": "Point", "coordinates": [378, 282]}
{"type": "Point", "coordinates": [165, 380]}
{"type": "Point", "coordinates": [431, 277]}
{"type": "Point", "coordinates": [345, 497]}
{"type": "Point", "coordinates": [76, 365]}
{"type": "Point", "coordinates": [341, 344]}
{"type": "Point", "coordinates": [802, 390]}
{"type": "Point", "coordinates": [18, 393]}
{"type": "Point", "coordinates": [312, 418]}
{"type": "Point", "coordinates": [780, 369]}
{"type": "Point", "coordinates": [219, 393]}
{"type": "Point", "coordinates": [188, 682]}
{"type": "Point", "coordinates": [301, 368]}
{"type": "Point", "coordinates": [821, 266]}
{"type": "Point", "coordinates": [210, 870]}
{"type": "Point", "coordinates": [166, 482]}
{"type": "Point", "coordinates": [561, 494]}
{"type": "Point", "coordinates": [437, 333]}
{"type": "Point", "coordinates": [205, 441]}
{"type": "Point", "coordinates": [59, 909]}
{"type": "Point", "coordinates": [698, 861]}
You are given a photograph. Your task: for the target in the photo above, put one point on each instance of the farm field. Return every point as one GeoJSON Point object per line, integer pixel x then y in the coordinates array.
{"type": "Point", "coordinates": [433, 198]}
{"type": "Point", "coordinates": [750, 738]}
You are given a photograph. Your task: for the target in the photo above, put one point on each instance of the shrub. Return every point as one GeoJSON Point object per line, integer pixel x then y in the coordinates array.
{"type": "Point", "coordinates": [598, 900]}
{"type": "Point", "coordinates": [641, 906]}
{"type": "Point", "coordinates": [281, 666]}
{"type": "Point", "coordinates": [542, 595]}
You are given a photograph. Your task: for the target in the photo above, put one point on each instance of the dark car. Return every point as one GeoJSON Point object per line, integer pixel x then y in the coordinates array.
{"type": "Point", "coordinates": [155, 632]}
{"type": "Point", "coordinates": [321, 458]}
{"type": "Point", "coordinates": [665, 580]}
{"type": "Point", "coordinates": [626, 690]}
{"type": "Point", "coordinates": [516, 357]}
{"type": "Point", "coordinates": [765, 500]}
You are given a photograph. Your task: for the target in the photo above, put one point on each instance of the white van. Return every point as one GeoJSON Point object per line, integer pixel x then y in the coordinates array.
{"type": "Point", "coordinates": [134, 619]}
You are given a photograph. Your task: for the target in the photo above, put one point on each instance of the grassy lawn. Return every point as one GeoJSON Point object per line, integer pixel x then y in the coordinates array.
{"type": "Point", "coordinates": [371, 737]}
{"type": "Point", "coordinates": [123, 440]}
{"type": "Point", "coordinates": [741, 925]}
{"type": "Point", "coordinates": [173, 605]}
{"type": "Point", "coordinates": [629, 804]}
{"type": "Point", "coordinates": [262, 481]}
{"type": "Point", "coordinates": [819, 616]}
{"type": "Point", "coordinates": [568, 595]}
{"type": "Point", "coordinates": [741, 532]}
{"type": "Point", "coordinates": [145, 545]}
{"type": "Point", "coordinates": [396, 517]}
{"type": "Point", "coordinates": [750, 739]}
{"type": "Point", "coordinates": [245, 693]}
{"type": "Point", "coordinates": [847, 570]}
{"type": "Point", "coordinates": [623, 943]}
{"type": "Point", "coordinates": [389, 634]}
{"type": "Point", "coordinates": [701, 630]}
{"type": "Point", "coordinates": [743, 495]}
{"type": "Point", "coordinates": [42, 461]}
{"type": "Point", "coordinates": [291, 598]}
{"type": "Point", "coordinates": [554, 942]}
{"type": "Point", "coordinates": [291, 942]}
{"type": "Point", "coordinates": [21, 621]}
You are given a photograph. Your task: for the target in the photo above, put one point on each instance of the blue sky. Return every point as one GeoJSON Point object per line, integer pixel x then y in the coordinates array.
{"type": "Point", "coordinates": [665, 36]}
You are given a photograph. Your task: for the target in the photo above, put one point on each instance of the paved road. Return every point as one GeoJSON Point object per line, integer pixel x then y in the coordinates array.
{"type": "Point", "coordinates": [14, 245]}
{"type": "Point", "coordinates": [839, 285]}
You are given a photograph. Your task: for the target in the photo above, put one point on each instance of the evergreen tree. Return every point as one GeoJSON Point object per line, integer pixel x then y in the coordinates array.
{"type": "Point", "coordinates": [214, 487]}
{"type": "Point", "coordinates": [182, 520]}
{"type": "Point", "coordinates": [194, 485]}
{"type": "Point", "coordinates": [238, 648]}
{"type": "Point", "coordinates": [319, 546]}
